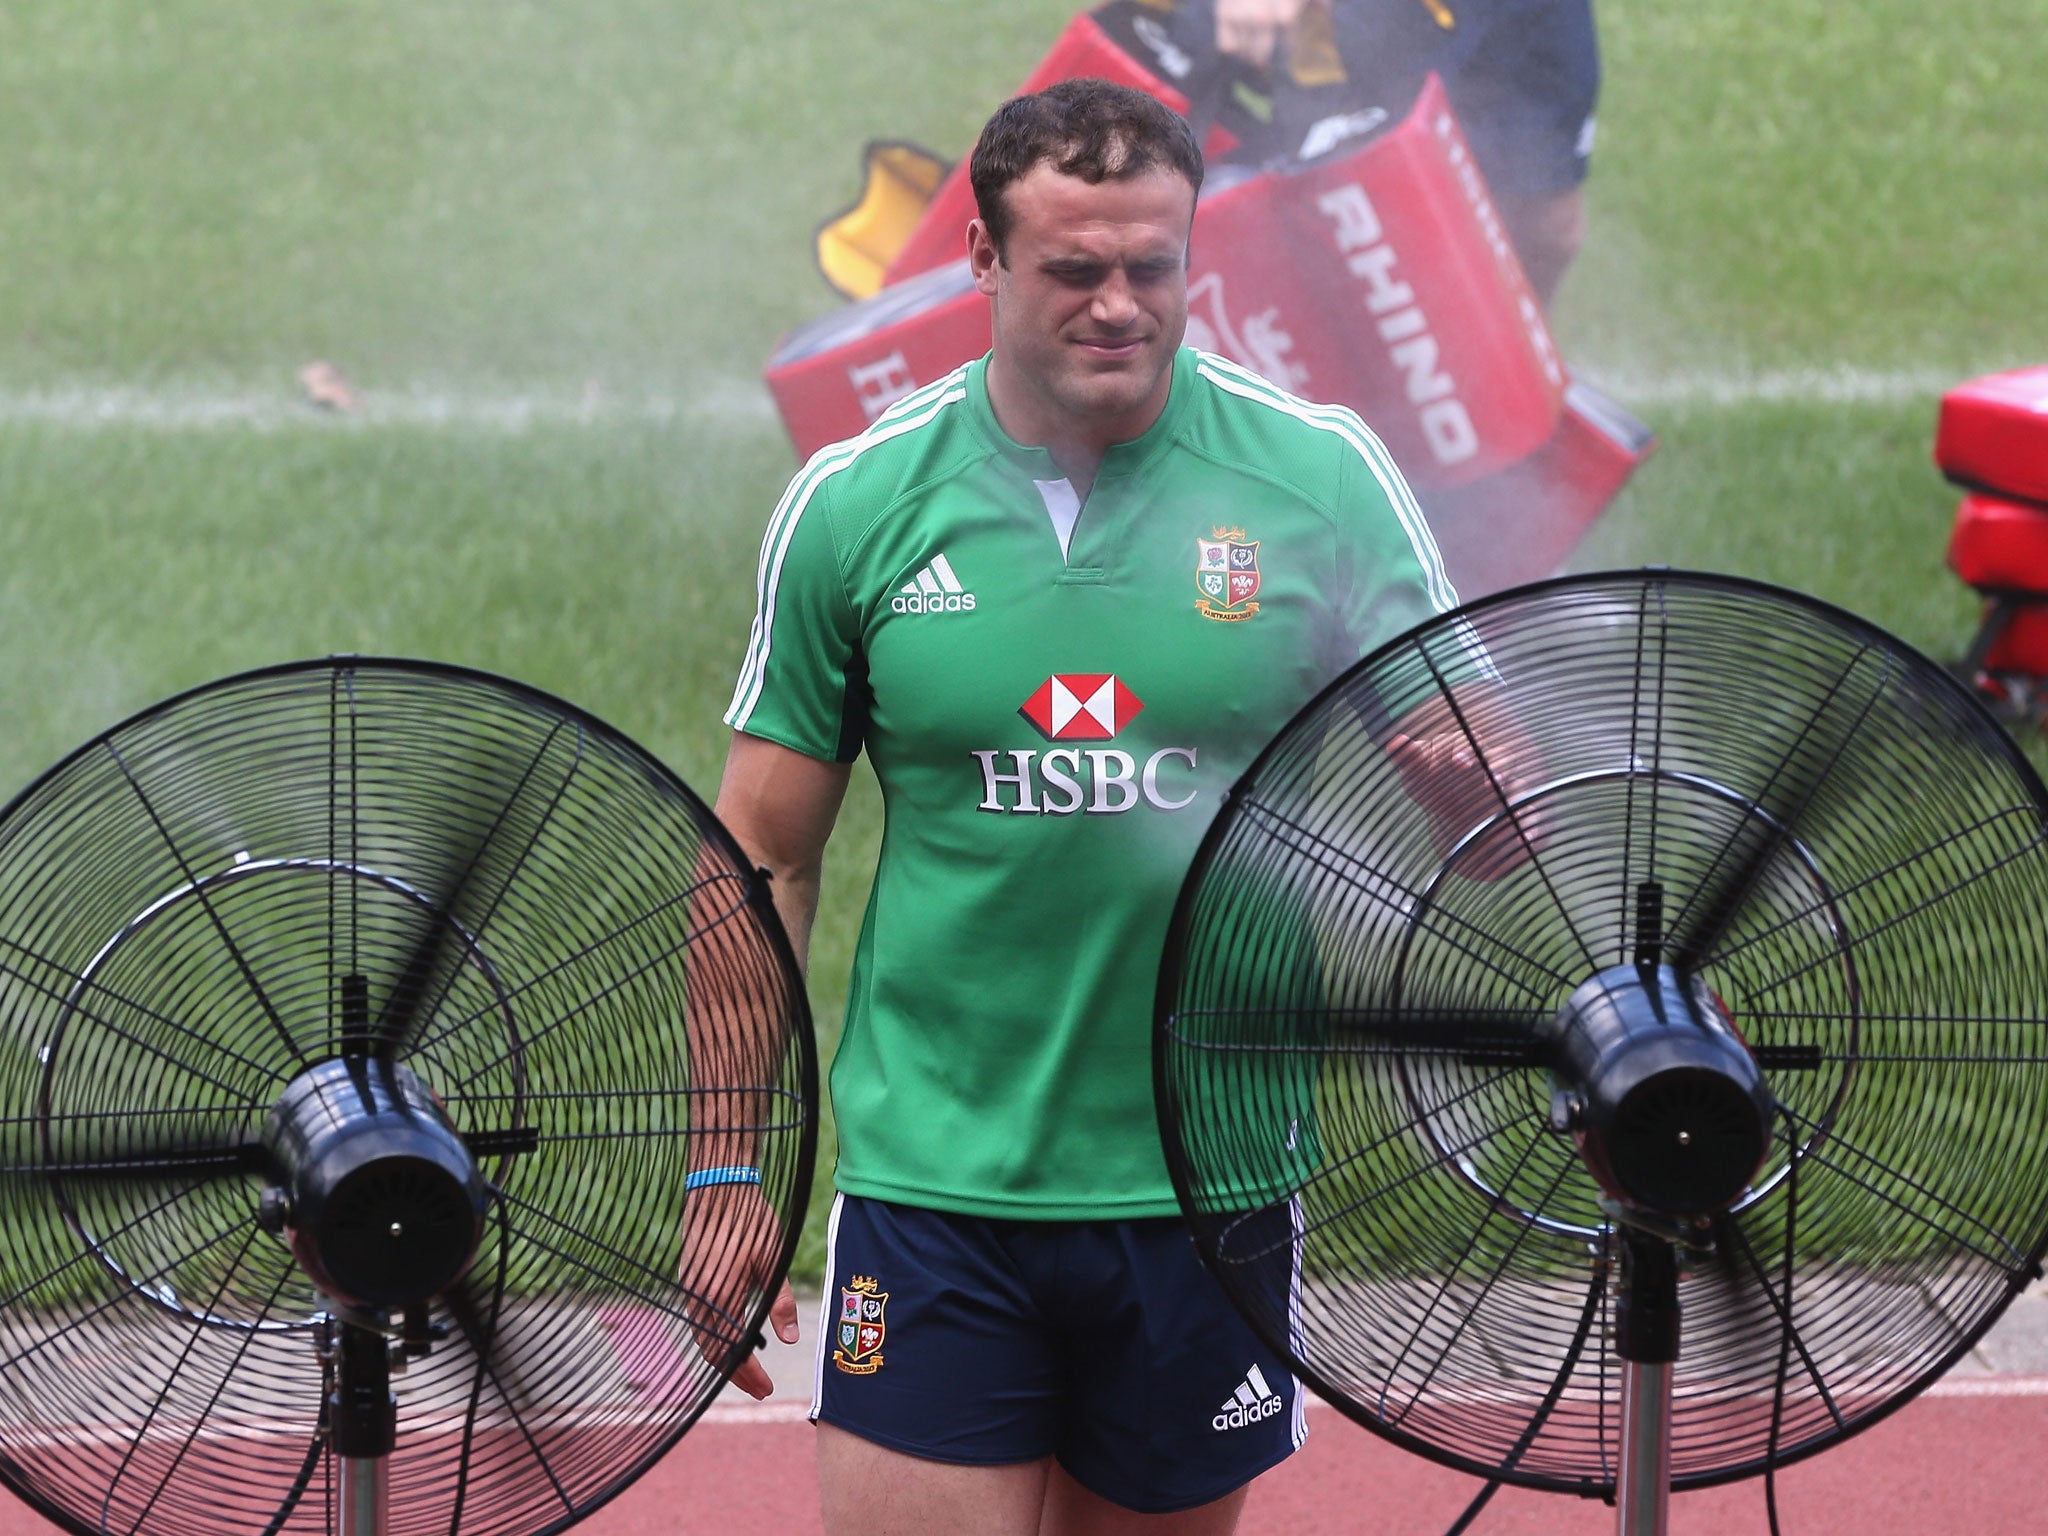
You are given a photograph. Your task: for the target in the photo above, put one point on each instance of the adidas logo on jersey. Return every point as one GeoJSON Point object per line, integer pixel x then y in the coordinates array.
{"type": "Point", "coordinates": [935, 589]}
{"type": "Point", "coordinates": [1252, 1401]}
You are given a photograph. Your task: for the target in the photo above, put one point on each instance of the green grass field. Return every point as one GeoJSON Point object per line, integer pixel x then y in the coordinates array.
{"type": "Point", "coordinates": [552, 246]}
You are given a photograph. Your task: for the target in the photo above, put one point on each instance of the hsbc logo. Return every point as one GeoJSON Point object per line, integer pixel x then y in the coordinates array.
{"type": "Point", "coordinates": [1102, 781]}
{"type": "Point", "coordinates": [1081, 706]}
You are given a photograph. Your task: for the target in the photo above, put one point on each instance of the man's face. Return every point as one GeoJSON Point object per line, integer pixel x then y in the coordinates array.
{"type": "Point", "coordinates": [1089, 305]}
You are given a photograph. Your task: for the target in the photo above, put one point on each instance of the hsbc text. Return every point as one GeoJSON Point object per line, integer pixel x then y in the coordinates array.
{"type": "Point", "coordinates": [1100, 781]}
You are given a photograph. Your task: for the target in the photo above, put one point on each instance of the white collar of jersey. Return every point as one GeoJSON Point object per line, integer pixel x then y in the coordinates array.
{"type": "Point", "coordinates": [1063, 507]}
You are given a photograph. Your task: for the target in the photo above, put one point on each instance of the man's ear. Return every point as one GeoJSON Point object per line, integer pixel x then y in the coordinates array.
{"type": "Point", "coordinates": [982, 257]}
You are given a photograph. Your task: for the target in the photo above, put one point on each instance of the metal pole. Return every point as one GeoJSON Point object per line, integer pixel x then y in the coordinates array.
{"type": "Point", "coordinates": [1646, 1338]}
{"type": "Point", "coordinates": [364, 1495]}
{"type": "Point", "coordinates": [1642, 1484]}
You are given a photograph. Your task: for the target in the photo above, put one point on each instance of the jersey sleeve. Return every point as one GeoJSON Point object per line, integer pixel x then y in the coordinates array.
{"type": "Point", "coordinates": [1391, 575]}
{"type": "Point", "coordinates": [803, 682]}
{"type": "Point", "coordinates": [1390, 570]}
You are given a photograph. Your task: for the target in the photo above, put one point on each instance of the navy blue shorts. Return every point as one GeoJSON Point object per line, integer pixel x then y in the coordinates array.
{"type": "Point", "coordinates": [1104, 1344]}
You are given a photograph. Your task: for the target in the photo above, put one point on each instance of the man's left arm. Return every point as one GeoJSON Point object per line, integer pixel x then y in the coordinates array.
{"type": "Point", "coordinates": [1461, 752]}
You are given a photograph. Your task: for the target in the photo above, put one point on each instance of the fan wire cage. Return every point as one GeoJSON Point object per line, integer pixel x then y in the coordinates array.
{"type": "Point", "coordinates": [471, 893]}
{"type": "Point", "coordinates": [1786, 813]}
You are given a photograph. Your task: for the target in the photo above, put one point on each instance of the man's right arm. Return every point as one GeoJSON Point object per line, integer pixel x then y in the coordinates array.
{"type": "Point", "coordinates": [779, 806]}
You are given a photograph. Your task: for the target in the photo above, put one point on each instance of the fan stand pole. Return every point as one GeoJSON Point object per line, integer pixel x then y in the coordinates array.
{"type": "Point", "coordinates": [1646, 1338]}
{"type": "Point", "coordinates": [365, 1419]}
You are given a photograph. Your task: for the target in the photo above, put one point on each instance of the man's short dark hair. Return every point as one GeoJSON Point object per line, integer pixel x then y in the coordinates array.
{"type": "Point", "coordinates": [1094, 129]}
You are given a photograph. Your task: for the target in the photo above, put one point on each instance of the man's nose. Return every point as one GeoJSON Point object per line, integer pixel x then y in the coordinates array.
{"type": "Point", "coordinates": [1115, 304]}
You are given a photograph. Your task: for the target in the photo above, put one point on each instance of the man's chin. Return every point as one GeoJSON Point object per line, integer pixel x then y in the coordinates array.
{"type": "Point", "coordinates": [1111, 391]}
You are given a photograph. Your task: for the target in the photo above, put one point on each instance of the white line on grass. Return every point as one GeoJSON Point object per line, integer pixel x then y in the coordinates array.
{"type": "Point", "coordinates": [87, 408]}
{"type": "Point", "coordinates": [745, 401]}
{"type": "Point", "coordinates": [1820, 386]}
{"type": "Point", "coordinates": [1990, 1386]}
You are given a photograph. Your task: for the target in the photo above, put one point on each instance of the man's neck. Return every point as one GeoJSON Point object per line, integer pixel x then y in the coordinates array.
{"type": "Point", "coordinates": [1077, 453]}
{"type": "Point", "coordinates": [1079, 464]}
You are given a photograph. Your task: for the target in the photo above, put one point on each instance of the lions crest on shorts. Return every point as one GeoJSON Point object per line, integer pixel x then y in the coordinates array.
{"type": "Point", "coordinates": [1227, 575]}
{"type": "Point", "coordinates": [861, 1328]}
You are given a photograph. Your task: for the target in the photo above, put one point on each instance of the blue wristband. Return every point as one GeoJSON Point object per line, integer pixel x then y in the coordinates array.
{"type": "Point", "coordinates": [704, 1176]}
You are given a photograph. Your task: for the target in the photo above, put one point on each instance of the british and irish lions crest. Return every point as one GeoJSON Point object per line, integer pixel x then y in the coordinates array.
{"type": "Point", "coordinates": [1227, 575]}
{"type": "Point", "coordinates": [861, 1328]}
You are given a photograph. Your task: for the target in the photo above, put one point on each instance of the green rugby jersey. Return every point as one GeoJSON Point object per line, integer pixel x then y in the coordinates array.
{"type": "Point", "coordinates": [1054, 699]}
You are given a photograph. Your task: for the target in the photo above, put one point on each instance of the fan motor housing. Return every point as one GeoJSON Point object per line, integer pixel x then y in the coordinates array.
{"type": "Point", "coordinates": [385, 1207]}
{"type": "Point", "coordinates": [1672, 1112]}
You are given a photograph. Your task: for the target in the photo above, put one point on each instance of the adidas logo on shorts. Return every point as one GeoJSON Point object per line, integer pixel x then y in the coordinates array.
{"type": "Point", "coordinates": [1252, 1401]}
{"type": "Point", "coordinates": [935, 589]}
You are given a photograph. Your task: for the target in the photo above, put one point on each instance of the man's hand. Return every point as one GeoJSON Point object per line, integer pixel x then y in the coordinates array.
{"type": "Point", "coordinates": [1443, 773]}
{"type": "Point", "coordinates": [730, 1239]}
{"type": "Point", "coordinates": [1253, 29]}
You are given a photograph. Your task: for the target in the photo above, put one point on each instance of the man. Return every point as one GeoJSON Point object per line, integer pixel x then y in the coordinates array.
{"type": "Point", "coordinates": [1522, 75]}
{"type": "Point", "coordinates": [1061, 598]}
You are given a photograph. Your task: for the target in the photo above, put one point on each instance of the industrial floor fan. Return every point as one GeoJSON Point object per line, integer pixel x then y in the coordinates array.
{"type": "Point", "coordinates": [374, 1038]}
{"type": "Point", "coordinates": [1635, 988]}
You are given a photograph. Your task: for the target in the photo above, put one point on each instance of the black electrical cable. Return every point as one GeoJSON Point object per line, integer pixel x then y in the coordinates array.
{"type": "Point", "coordinates": [307, 1468]}
{"type": "Point", "coordinates": [1595, 1293]}
{"type": "Point", "coordinates": [1785, 1329]}
{"type": "Point", "coordinates": [481, 1348]}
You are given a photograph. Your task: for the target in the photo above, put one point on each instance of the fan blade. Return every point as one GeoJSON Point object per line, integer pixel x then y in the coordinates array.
{"type": "Point", "coordinates": [1495, 1037]}
{"type": "Point", "coordinates": [413, 996]}
{"type": "Point", "coordinates": [507, 1142]}
{"type": "Point", "coordinates": [171, 1160]}
{"type": "Point", "coordinates": [477, 1320]}
{"type": "Point", "coordinates": [1740, 866]}
{"type": "Point", "coordinates": [405, 1009]}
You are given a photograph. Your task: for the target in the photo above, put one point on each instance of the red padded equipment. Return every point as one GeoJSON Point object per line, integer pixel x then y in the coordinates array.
{"type": "Point", "coordinates": [1522, 524]}
{"type": "Point", "coordinates": [2000, 546]}
{"type": "Point", "coordinates": [2019, 643]}
{"type": "Point", "coordinates": [1992, 435]}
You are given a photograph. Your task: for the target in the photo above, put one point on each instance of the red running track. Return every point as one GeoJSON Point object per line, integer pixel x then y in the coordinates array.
{"type": "Point", "coordinates": [1966, 1458]}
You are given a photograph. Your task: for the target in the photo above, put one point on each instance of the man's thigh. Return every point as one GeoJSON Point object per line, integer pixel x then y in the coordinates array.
{"type": "Point", "coordinates": [1071, 1510]}
{"type": "Point", "coordinates": [865, 1489]}
{"type": "Point", "coordinates": [869, 1490]}
{"type": "Point", "coordinates": [1174, 1403]}
{"type": "Point", "coordinates": [931, 1340]}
